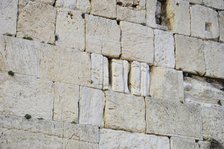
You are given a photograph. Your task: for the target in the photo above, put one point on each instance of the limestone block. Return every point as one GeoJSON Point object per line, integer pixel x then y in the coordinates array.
{"type": "Point", "coordinates": [204, 22]}
{"type": "Point", "coordinates": [111, 139]}
{"type": "Point", "coordinates": [214, 54]}
{"type": "Point", "coordinates": [183, 143]}
{"type": "Point", "coordinates": [21, 95]}
{"type": "Point", "coordinates": [23, 3]}
{"type": "Point", "coordinates": [164, 49]}
{"type": "Point", "coordinates": [124, 111]}
{"type": "Point", "coordinates": [190, 54]}
{"type": "Point", "coordinates": [137, 42]}
{"type": "Point", "coordinates": [150, 13]}
{"type": "Point", "coordinates": [218, 4]}
{"type": "Point", "coordinates": [91, 106]}
{"type": "Point", "coordinates": [8, 16]}
{"type": "Point", "coordinates": [139, 78]}
{"type": "Point", "coordinates": [71, 144]}
{"type": "Point", "coordinates": [37, 20]}
{"type": "Point", "coordinates": [83, 5]}
{"type": "Point", "coordinates": [99, 71]}
{"type": "Point", "coordinates": [119, 72]}
{"type": "Point", "coordinates": [221, 25]}
{"type": "Point", "coordinates": [173, 119]}
{"type": "Point", "coordinates": [106, 8]}
{"type": "Point", "coordinates": [166, 84]}
{"type": "Point", "coordinates": [71, 4]}
{"type": "Point", "coordinates": [66, 98]}
{"type": "Point", "coordinates": [102, 36]}
{"type": "Point", "coordinates": [70, 29]}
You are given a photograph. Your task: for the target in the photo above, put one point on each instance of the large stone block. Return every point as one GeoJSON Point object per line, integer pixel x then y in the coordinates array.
{"type": "Point", "coordinates": [218, 4]}
{"type": "Point", "coordinates": [166, 84]}
{"type": "Point", "coordinates": [37, 20]}
{"type": "Point", "coordinates": [190, 54]}
{"type": "Point", "coordinates": [70, 29]}
{"type": "Point", "coordinates": [183, 143]}
{"type": "Point", "coordinates": [8, 16]}
{"type": "Point", "coordinates": [151, 13]}
{"type": "Point", "coordinates": [71, 144]}
{"type": "Point", "coordinates": [204, 22]}
{"type": "Point", "coordinates": [164, 49]}
{"type": "Point", "coordinates": [21, 95]}
{"type": "Point", "coordinates": [126, 112]}
{"type": "Point", "coordinates": [102, 36]}
{"type": "Point", "coordinates": [111, 139]}
{"type": "Point", "coordinates": [23, 3]}
{"type": "Point", "coordinates": [91, 106]}
{"type": "Point", "coordinates": [137, 42]}
{"type": "Point", "coordinates": [214, 54]}
{"type": "Point", "coordinates": [221, 25]}
{"type": "Point", "coordinates": [173, 119]}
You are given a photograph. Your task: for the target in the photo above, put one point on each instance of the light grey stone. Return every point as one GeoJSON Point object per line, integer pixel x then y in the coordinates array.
{"type": "Point", "coordinates": [196, 1]}
{"type": "Point", "coordinates": [221, 25]}
{"type": "Point", "coordinates": [137, 42]}
{"type": "Point", "coordinates": [124, 111]}
{"type": "Point", "coordinates": [23, 3]}
{"type": "Point", "coordinates": [71, 4]}
{"type": "Point", "coordinates": [71, 144]}
{"type": "Point", "coordinates": [151, 12]}
{"type": "Point", "coordinates": [218, 4]}
{"type": "Point", "coordinates": [83, 5]}
{"type": "Point", "coordinates": [183, 143]}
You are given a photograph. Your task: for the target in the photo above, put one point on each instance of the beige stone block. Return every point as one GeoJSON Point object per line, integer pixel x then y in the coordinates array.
{"type": "Point", "coordinates": [218, 4]}
{"type": "Point", "coordinates": [151, 13]}
{"type": "Point", "coordinates": [70, 29]}
{"type": "Point", "coordinates": [204, 22]}
{"type": "Point", "coordinates": [164, 49]}
{"type": "Point", "coordinates": [173, 119]}
{"type": "Point", "coordinates": [102, 36]}
{"type": "Point", "coordinates": [37, 21]}
{"type": "Point", "coordinates": [8, 16]}
{"type": "Point", "coordinates": [190, 54]}
{"type": "Point", "coordinates": [221, 25]}
{"type": "Point", "coordinates": [183, 143]}
{"type": "Point", "coordinates": [137, 42]}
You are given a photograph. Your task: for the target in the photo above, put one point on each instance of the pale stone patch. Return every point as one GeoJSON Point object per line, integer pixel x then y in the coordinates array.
{"type": "Point", "coordinates": [183, 143]}
{"type": "Point", "coordinates": [71, 4]}
{"type": "Point", "coordinates": [221, 25]}
{"type": "Point", "coordinates": [83, 5]}
{"type": "Point", "coordinates": [218, 4]}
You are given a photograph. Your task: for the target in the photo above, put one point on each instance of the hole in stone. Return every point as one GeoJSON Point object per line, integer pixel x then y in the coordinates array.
{"type": "Point", "coordinates": [83, 16]}
{"type": "Point", "coordinates": [160, 14]}
{"type": "Point", "coordinates": [11, 73]}
{"type": "Point", "coordinates": [119, 3]}
{"type": "Point", "coordinates": [208, 26]}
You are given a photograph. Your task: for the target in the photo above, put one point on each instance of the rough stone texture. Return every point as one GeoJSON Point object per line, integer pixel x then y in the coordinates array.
{"type": "Point", "coordinates": [218, 4]}
{"type": "Point", "coordinates": [70, 29]}
{"type": "Point", "coordinates": [21, 95]}
{"type": "Point", "coordinates": [124, 112]}
{"type": "Point", "coordinates": [150, 13]}
{"type": "Point", "coordinates": [66, 98]}
{"type": "Point", "coordinates": [183, 143]}
{"type": "Point", "coordinates": [137, 42]}
{"type": "Point", "coordinates": [176, 9]}
{"type": "Point", "coordinates": [71, 4]}
{"type": "Point", "coordinates": [37, 20]}
{"type": "Point", "coordinates": [204, 22]}
{"type": "Point", "coordinates": [221, 25]}
{"type": "Point", "coordinates": [190, 54]}
{"type": "Point", "coordinates": [166, 84]}
{"type": "Point", "coordinates": [83, 5]}
{"type": "Point", "coordinates": [164, 49]}
{"type": "Point", "coordinates": [119, 75]}
{"type": "Point", "coordinates": [23, 3]}
{"type": "Point", "coordinates": [214, 54]}
{"type": "Point", "coordinates": [168, 118]}
{"type": "Point", "coordinates": [8, 16]}
{"type": "Point", "coordinates": [102, 36]}
{"type": "Point", "coordinates": [106, 8]}
{"type": "Point", "coordinates": [196, 1]}
{"type": "Point", "coordinates": [131, 140]}
{"type": "Point", "coordinates": [91, 105]}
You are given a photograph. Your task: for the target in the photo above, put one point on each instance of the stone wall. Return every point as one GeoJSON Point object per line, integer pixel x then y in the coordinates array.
{"type": "Point", "coordinates": [112, 74]}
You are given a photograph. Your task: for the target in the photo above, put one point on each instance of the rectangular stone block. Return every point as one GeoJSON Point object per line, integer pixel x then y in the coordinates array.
{"type": "Point", "coordinates": [70, 29]}
{"type": "Point", "coordinates": [37, 21]}
{"type": "Point", "coordinates": [111, 139]}
{"type": "Point", "coordinates": [190, 54]}
{"type": "Point", "coordinates": [221, 25]}
{"type": "Point", "coordinates": [82, 5]}
{"type": "Point", "coordinates": [91, 106]}
{"type": "Point", "coordinates": [183, 143]}
{"type": "Point", "coordinates": [218, 4]}
{"type": "Point", "coordinates": [124, 111]}
{"type": "Point", "coordinates": [151, 13]}
{"type": "Point", "coordinates": [167, 84]}
{"type": "Point", "coordinates": [102, 36]}
{"type": "Point", "coordinates": [173, 119]}
{"type": "Point", "coordinates": [23, 3]}
{"type": "Point", "coordinates": [204, 22]}
{"type": "Point", "coordinates": [137, 42]}
{"type": "Point", "coordinates": [8, 16]}
{"type": "Point", "coordinates": [164, 49]}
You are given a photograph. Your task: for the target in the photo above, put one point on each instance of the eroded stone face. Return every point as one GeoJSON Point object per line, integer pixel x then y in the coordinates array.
{"type": "Point", "coordinates": [66, 3]}
{"type": "Point", "coordinates": [218, 4]}
{"type": "Point", "coordinates": [183, 143]}
{"type": "Point", "coordinates": [221, 25]}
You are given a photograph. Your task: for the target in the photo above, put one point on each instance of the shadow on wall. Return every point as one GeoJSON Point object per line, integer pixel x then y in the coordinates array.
{"type": "Point", "coordinates": [215, 144]}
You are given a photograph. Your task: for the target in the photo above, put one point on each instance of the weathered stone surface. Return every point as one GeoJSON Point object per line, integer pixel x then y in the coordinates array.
{"type": "Point", "coordinates": [71, 144]}
{"type": "Point", "coordinates": [2, 53]}
{"type": "Point", "coordinates": [119, 78]}
{"type": "Point", "coordinates": [204, 22]}
{"type": "Point", "coordinates": [23, 3]}
{"type": "Point", "coordinates": [21, 95]}
{"type": "Point", "coordinates": [83, 5]}
{"type": "Point", "coordinates": [196, 1]}
{"type": "Point", "coordinates": [176, 9]}
{"type": "Point", "coordinates": [91, 106]}
{"type": "Point", "coordinates": [71, 4]}
{"type": "Point", "coordinates": [218, 4]}
{"type": "Point", "coordinates": [173, 119]}
{"type": "Point", "coordinates": [70, 29]}
{"type": "Point", "coordinates": [8, 16]}
{"type": "Point", "coordinates": [137, 42]}
{"type": "Point", "coordinates": [131, 140]}
{"type": "Point", "coordinates": [106, 8]}
{"type": "Point", "coordinates": [221, 25]}
{"type": "Point", "coordinates": [167, 84]}
{"type": "Point", "coordinates": [150, 13]}
{"type": "Point", "coordinates": [126, 112]}
{"type": "Point", "coordinates": [102, 36]}
{"type": "Point", "coordinates": [204, 144]}
{"type": "Point", "coordinates": [183, 143]}
{"type": "Point", "coordinates": [164, 49]}
{"type": "Point", "coordinates": [66, 98]}
{"type": "Point", "coordinates": [37, 20]}
{"type": "Point", "coordinates": [214, 54]}
{"type": "Point", "coordinates": [190, 54]}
